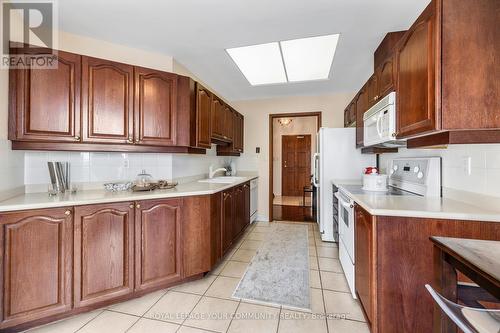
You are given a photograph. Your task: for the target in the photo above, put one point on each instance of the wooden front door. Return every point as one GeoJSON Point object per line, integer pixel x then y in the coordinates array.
{"type": "Point", "coordinates": [296, 164]}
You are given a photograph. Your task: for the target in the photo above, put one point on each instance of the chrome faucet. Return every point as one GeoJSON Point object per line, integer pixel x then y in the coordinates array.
{"type": "Point", "coordinates": [212, 172]}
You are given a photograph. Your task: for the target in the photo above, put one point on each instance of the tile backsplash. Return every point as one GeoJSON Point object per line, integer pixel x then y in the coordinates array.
{"type": "Point", "coordinates": [95, 167]}
{"type": "Point", "coordinates": [11, 168]}
{"type": "Point", "coordinates": [484, 176]}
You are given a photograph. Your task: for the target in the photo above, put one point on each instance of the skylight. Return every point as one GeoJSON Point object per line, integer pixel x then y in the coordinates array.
{"type": "Point", "coordinates": [295, 60]}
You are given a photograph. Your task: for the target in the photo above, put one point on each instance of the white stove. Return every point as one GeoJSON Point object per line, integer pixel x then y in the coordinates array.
{"type": "Point", "coordinates": [407, 177]}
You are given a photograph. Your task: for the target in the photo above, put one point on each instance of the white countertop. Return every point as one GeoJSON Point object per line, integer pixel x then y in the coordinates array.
{"type": "Point", "coordinates": [417, 206]}
{"type": "Point", "coordinates": [43, 200]}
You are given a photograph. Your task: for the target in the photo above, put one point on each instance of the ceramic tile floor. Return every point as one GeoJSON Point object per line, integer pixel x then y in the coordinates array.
{"type": "Point", "coordinates": [207, 305]}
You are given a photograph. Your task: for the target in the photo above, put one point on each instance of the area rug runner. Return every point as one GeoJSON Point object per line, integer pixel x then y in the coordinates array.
{"type": "Point", "coordinates": [279, 272]}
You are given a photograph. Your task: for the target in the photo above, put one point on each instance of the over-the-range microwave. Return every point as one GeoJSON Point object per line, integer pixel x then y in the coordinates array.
{"type": "Point", "coordinates": [380, 123]}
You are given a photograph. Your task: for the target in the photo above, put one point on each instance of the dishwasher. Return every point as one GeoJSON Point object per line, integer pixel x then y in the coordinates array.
{"type": "Point", "coordinates": [253, 200]}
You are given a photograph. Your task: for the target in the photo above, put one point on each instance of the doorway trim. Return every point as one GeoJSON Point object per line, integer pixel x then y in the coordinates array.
{"type": "Point", "coordinates": [271, 147]}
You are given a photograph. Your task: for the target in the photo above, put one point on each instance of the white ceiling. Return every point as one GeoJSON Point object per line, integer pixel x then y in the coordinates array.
{"type": "Point", "coordinates": [197, 32]}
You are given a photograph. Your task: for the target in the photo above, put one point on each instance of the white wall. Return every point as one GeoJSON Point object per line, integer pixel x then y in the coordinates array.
{"type": "Point", "coordinates": [298, 126]}
{"type": "Point", "coordinates": [485, 175]}
{"type": "Point", "coordinates": [257, 113]}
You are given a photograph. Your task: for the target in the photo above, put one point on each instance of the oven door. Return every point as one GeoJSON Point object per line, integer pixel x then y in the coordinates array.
{"type": "Point", "coordinates": [346, 225]}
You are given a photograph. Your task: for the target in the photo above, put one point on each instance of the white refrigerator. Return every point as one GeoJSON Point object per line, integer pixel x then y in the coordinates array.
{"type": "Point", "coordinates": [336, 158]}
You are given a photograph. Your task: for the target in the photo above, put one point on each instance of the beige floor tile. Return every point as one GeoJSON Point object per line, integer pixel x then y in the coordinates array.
{"type": "Point", "coordinates": [342, 325]}
{"type": "Point", "coordinates": [314, 280]}
{"type": "Point", "coordinates": [252, 318]}
{"type": "Point", "coordinates": [69, 325]}
{"type": "Point", "coordinates": [330, 265]}
{"type": "Point", "coordinates": [196, 287]}
{"type": "Point", "coordinates": [234, 269]}
{"type": "Point", "coordinates": [145, 325]}
{"type": "Point", "coordinates": [327, 244]}
{"type": "Point", "coordinates": [244, 255]}
{"type": "Point", "coordinates": [109, 322]}
{"type": "Point", "coordinates": [312, 251]}
{"type": "Point", "coordinates": [337, 303]}
{"type": "Point", "coordinates": [187, 329]}
{"type": "Point", "coordinates": [173, 306]}
{"type": "Point", "coordinates": [334, 281]}
{"type": "Point", "coordinates": [138, 306]}
{"type": "Point", "coordinates": [317, 305]}
{"type": "Point", "coordinates": [313, 263]}
{"type": "Point", "coordinates": [217, 269]}
{"type": "Point", "coordinates": [300, 322]}
{"type": "Point", "coordinates": [311, 242]}
{"type": "Point", "coordinates": [251, 244]}
{"type": "Point", "coordinates": [212, 314]}
{"type": "Point", "coordinates": [328, 252]}
{"type": "Point", "coordinates": [223, 287]}
{"type": "Point", "coordinates": [260, 236]}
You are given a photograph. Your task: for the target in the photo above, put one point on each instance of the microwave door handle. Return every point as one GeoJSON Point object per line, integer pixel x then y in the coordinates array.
{"type": "Point", "coordinates": [379, 124]}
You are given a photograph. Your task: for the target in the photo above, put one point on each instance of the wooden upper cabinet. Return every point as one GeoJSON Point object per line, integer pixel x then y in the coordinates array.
{"type": "Point", "coordinates": [372, 91]}
{"type": "Point", "coordinates": [158, 235]}
{"type": "Point", "coordinates": [104, 252]}
{"type": "Point", "coordinates": [45, 103]}
{"type": "Point", "coordinates": [203, 117]}
{"type": "Point", "coordinates": [385, 76]}
{"type": "Point", "coordinates": [217, 118]}
{"type": "Point", "coordinates": [107, 101]}
{"type": "Point", "coordinates": [37, 264]}
{"type": "Point", "coordinates": [416, 77]}
{"type": "Point", "coordinates": [155, 107]}
{"type": "Point", "coordinates": [228, 123]}
{"type": "Point", "coordinates": [363, 252]}
{"type": "Point", "coordinates": [238, 139]}
{"type": "Point", "coordinates": [361, 108]}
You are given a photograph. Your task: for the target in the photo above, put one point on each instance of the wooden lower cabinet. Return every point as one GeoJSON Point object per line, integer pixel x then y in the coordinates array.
{"type": "Point", "coordinates": [394, 261]}
{"type": "Point", "coordinates": [157, 243]}
{"type": "Point", "coordinates": [36, 258]}
{"type": "Point", "coordinates": [227, 219]}
{"type": "Point", "coordinates": [364, 253]}
{"type": "Point", "coordinates": [63, 261]}
{"type": "Point", "coordinates": [104, 252]}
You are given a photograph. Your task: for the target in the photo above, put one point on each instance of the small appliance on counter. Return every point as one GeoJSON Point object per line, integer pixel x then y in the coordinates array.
{"type": "Point", "coordinates": [373, 181]}
{"type": "Point", "coordinates": [144, 182]}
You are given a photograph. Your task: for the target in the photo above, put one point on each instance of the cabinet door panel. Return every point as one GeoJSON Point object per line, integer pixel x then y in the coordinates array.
{"type": "Point", "coordinates": [372, 91]}
{"type": "Point", "coordinates": [37, 259]}
{"type": "Point", "coordinates": [227, 219]}
{"type": "Point", "coordinates": [228, 123]}
{"type": "Point", "coordinates": [416, 80]}
{"type": "Point", "coordinates": [385, 74]}
{"type": "Point", "coordinates": [48, 112]}
{"type": "Point", "coordinates": [361, 108]}
{"type": "Point", "coordinates": [364, 262]}
{"type": "Point", "coordinates": [155, 107]}
{"type": "Point", "coordinates": [158, 241]}
{"type": "Point", "coordinates": [107, 95]}
{"type": "Point", "coordinates": [103, 252]}
{"type": "Point", "coordinates": [203, 117]}
{"type": "Point", "coordinates": [218, 119]}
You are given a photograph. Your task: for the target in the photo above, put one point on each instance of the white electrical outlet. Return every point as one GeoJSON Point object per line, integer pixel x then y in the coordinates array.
{"type": "Point", "coordinates": [126, 164]}
{"type": "Point", "coordinates": [467, 163]}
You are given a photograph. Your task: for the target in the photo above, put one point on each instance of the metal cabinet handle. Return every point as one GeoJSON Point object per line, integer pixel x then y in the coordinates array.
{"type": "Point", "coordinates": [138, 206]}
{"type": "Point", "coordinates": [131, 206]}
{"type": "Point", "coordinates": [130, 140]}
{"type": "Point", "coordinates": [68, 212]}
{"type": "Point", "coordinates": [77, 138]}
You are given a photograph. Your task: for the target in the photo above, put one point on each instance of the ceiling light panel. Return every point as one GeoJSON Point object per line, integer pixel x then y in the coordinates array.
{"type": "Point", "coordinates": [260, 64]}
{"type": "Point", "coordinates": [309, 58]}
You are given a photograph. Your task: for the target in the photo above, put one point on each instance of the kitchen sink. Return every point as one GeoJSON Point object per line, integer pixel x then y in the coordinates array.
{"type": "Point", "coordinates": [222, 180]}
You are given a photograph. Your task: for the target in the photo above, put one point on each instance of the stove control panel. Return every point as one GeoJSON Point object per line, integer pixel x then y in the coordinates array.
{"type": "Point", "coordinates": [418, 175]}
